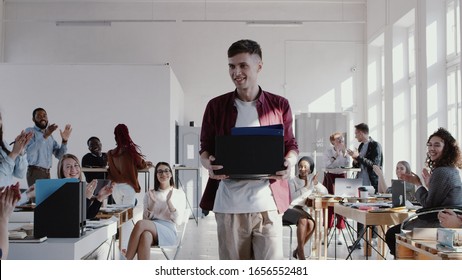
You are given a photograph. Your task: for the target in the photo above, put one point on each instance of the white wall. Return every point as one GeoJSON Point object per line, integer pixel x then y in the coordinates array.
{"type": "Point", "coordinates": [196, 51]}
{"type": "Point", "coordinates": [94, 99]}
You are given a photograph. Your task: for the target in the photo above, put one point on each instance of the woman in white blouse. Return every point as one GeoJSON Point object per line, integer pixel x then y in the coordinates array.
{"type": "Point", "coordinates": [164, 208]}
{"type": "Point", "coordinates": [301, 187]}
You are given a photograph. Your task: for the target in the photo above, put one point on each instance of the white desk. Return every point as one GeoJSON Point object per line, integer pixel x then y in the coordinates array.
{"type": "Point", "coordinates": [62, 248]}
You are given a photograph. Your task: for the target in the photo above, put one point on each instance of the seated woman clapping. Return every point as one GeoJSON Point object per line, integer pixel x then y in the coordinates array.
{"type": "Point", "coordinates": [163, 210]}
{"type": "Point", "coordinates": [301, 187]}
{"type": "Point", "coordinates": [69, 167]}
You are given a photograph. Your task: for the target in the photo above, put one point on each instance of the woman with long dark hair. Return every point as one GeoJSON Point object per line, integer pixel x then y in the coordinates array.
{"type": "Point", "coordinates": [124, 162]}
{"type": "Point", "coordinates": [443, 185]}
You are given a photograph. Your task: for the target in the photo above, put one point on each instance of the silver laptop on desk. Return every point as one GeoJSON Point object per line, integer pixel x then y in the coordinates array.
{"type": "Point", "coordinates": [347, 187]}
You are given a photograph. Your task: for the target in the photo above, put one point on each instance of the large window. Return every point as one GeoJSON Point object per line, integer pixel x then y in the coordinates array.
{"type": "Point", "coordinates": [454, 97]}
{"type": "Point", "coordinates": [404, 98]}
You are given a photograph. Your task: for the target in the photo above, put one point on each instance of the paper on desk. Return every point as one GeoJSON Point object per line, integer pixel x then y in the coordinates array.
{"type": "Point", "coordinates": [372, 205]}
{"type": "Point", "coordinates": [119, 206]}
{"type": "Point", "coordinates": [115, 207]}
{"type": "Point", "coordinates": [101, 223]}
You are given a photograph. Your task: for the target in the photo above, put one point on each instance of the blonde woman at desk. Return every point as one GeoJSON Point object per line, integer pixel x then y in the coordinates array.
{"type": "Point", "coordinates": [301, 187]}
{"type": "Point", "coordinates": [124, 162]}
{"type": "Point", "coordinates": [164, 208]}
{"type": "Point", "coordinates": [336, 156]}
{"type": "Point", "coordinates": [402, 167]}
{"type": "Point", "coordinates": [69, 167]}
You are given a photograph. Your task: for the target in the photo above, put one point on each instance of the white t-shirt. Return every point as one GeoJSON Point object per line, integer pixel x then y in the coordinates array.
{"type": "Point", "coordinates": [244, 196]}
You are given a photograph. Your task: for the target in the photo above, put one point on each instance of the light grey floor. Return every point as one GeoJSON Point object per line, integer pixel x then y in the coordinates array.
{"type": "Point", "coordinates": [200, 243]}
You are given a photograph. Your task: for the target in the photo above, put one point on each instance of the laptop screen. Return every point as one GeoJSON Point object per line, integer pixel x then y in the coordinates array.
{"type": "Point", "coordinates": [347, 187]}
{"type": "Point", "coordinates": [249, 156]}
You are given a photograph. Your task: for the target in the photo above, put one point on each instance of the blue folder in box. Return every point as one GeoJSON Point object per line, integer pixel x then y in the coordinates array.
{"type": "Point", "coordinates": [276, 129]}
{"type": "Point", "coordinates": [46, 187]}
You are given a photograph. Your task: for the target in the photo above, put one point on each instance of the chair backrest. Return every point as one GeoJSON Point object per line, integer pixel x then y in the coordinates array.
{"type": "Point", "coordinates": [428, 217]}
{"type": "Point", "coordinates": [181, 230]}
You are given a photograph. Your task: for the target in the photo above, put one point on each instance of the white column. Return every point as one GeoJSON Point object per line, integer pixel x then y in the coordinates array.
{"type": "Point", "coordinates": [2, 31]}
{"type": "Point", "coordinates": [421, 82]}
{"type": "Point", "coordinates": [388, 99]}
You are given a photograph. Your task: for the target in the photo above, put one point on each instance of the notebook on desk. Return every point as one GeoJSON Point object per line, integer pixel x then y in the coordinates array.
{"type": "Point", "coordinates": [347, 187]}
{"type": "Point", "coordinates": [249, 156]}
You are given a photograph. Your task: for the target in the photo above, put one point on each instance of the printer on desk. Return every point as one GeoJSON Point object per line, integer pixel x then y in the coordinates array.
{"type": "Point", "coordinates": [61, 208]}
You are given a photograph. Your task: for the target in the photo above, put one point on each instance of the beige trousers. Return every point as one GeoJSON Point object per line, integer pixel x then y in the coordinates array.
{"type": "Point", "coordinates": [250, 236]}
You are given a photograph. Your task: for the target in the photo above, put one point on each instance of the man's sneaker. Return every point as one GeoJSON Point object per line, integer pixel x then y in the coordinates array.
{"type": "Point", "coordinates": [357, 247]}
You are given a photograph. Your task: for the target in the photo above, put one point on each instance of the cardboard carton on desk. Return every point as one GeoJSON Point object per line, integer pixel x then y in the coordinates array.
{"type": "Point", "coordinates": [423, 233]}
{"type": "Point", "coordinates": [429, 233]}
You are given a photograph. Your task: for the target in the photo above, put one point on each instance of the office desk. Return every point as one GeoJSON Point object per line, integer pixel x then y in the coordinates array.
{"type": "Point", "coordinates": [409, 249]}
{"type": "Point", "coordinates": [146, 171]}
{"type": "Point", "coordinates": [319, 206]}
{"type": "Point", "coordinates": [368, 219]}
{"type": "Point", "coordinates": [122, 215]}
{"type": "Point", "coordinates": [63, 248]}
{"type": "Point", "coordinates": [341, 170]}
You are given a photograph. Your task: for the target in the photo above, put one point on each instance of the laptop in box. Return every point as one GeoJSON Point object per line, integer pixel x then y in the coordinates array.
{"type": "Point", "coordinates": [398, 193]}
{"type": "Point", "coordinates": [347, 187]}
{"type": "Point", "coordinates": [249, 156]}
{"type": "Point", "coordinates": [402, 191]}
{"type": "Point", "coordinates": [101, 183]}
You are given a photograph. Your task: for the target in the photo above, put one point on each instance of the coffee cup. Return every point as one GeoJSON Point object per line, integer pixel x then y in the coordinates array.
{"type": "Point", "coordinates": [363, 193]}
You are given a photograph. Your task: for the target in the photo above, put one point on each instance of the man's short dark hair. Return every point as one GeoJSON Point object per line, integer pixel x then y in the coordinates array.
{"type": "Point", "coordinates": [245, 46]}
{"type": "Point", "coordinates": [36, 110]}
{"type": "Point", "coordinates": [92, 138]}
{"type": "Point", "coordinates": [362, 127]}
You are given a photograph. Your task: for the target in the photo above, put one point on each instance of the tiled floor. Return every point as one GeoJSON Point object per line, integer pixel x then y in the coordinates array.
{"type": "Point", "coordinates": [200, 243]}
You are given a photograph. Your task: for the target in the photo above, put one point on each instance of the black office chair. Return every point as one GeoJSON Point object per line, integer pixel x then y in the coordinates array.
{"type": "Point", "coordinates": [426, 218]}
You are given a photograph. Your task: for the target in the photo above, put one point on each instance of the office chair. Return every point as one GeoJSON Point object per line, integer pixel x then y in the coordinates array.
{"type": "Point", "coordinates": [426, 217]}
{"type": "Point", "coordinates": [290, 225]}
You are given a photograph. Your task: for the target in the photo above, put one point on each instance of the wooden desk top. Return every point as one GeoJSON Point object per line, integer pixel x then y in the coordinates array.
{"type": "Point", "coordinates": [321, 202]}
{"type": "Point", "coordinates": [123, 215]}
{"type": "Point", "coordinates": [341, 170]}
{"type": "Point", "coordinates": [371, 218]}
{"type": "Point", "coordinates": [185, 168]}
{"type": "Point", "coordinates": [104, 169]}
